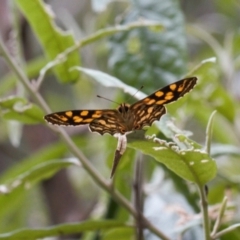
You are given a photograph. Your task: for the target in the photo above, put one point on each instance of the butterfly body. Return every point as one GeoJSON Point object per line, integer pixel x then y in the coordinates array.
{"type": "Point", "coordinates": [126, 117]}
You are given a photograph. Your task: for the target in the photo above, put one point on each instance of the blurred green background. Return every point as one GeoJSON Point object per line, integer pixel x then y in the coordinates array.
{"type": "Point", "coordinates": [42, 183]}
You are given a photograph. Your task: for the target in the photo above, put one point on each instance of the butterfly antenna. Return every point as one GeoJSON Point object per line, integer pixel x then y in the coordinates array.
{"type": "Point", "coordinates": [135, 92]}
{"type": "Point", "coordinates": [108, 99]}
{"type": "Point", "coordinates": [117, 102]}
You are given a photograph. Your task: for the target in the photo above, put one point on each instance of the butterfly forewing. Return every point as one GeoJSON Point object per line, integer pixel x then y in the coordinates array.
{"type": "Point", "coordinates": [170, 93]}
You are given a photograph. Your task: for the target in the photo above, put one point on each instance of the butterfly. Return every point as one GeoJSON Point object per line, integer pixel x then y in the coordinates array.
{"type": "Point", "coordinates": [126, 118]}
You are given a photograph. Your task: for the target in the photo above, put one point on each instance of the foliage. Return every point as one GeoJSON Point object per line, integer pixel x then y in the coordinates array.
{"type": "Point", "coordinates": [196, 142]}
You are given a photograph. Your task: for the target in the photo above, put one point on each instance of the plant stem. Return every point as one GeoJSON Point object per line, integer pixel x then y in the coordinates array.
{"type": "Point", "coordinates": [138, 196]}
{"type": "Point", "coordinates": [226, 230]}
{"type": "Point", "coordinates": [204, 210]}
{"type": "Point", "coordinates": [202, 189]}
{"type": "Point", "coordinates": [220, 216]}
{"type": "Point", "coordinates": [72, 147]}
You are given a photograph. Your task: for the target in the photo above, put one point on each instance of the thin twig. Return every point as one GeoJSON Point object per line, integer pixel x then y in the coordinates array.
{"type": "Point", "coordinates": [219, 217]}
{"type": "Point", "coordinates": [137, 197]}
{"type": "Point", "coordinates": [226, 230]}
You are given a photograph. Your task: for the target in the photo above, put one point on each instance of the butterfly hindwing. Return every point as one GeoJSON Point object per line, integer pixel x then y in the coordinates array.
{"type": "Point", "coordinates": [147, 115]}
{"type": "Point", "coordinates": [101, 121]}
{"type": "Point", "coordinates": [110, 122]}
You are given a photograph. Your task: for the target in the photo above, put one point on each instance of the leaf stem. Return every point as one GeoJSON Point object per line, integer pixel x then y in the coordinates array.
{"type": "Point", "coordinates": [219, 217]}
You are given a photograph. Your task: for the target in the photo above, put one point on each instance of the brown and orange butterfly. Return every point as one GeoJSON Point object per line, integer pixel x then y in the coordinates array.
{"type": "Point", "coordinates": [126, 117]}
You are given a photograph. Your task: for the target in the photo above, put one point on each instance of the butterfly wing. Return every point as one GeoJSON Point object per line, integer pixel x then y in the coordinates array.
{"type": "Point", "coordinates": [109, 122]}
{"type": "Point", "coordinates": [145, 115]}
{"type": "Point", "coordinates": [101, 121]}
{"type": "Point", "coordinates": [151, 108]}
{"type": "Point", "coordinates": [142, 113]}
{"type": "Point", "coordinates": [171, 92]}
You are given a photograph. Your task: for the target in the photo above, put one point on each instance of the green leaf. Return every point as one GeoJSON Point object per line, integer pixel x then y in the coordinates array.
{"type": "Point", "coordinates": [110, 81]}
{"type": "Point", "coordinates": [53, 151]}
{"type": "Point", "coordinates": [202, 105]}
{"type": "Point", "coordinates": [22, 168]}
{"type": "Point", "coordinates": [119, 234]}
{"type": "Point", "coordinates": [9, 102]}
{"type": "Point", "coordinates": [167, 127]}
{"type": "Point", "coordinates": [31, 115]}
{"type": "Point", "coordinates": [18, 109]}
{"type": "Point", "coordinates": [15, 188]}
{"type": "Point", "coordinates": [62, 229]}
{"type": "Point", "coordinates": [53, 40]}
{"type": "Point", "coordinates": [146, 56]}
{"type": "Point", "coordinates": [215, 95]}
{"type": "Point", "coordinates": [194, 165]}
{"type": "Point", "coordinates": [209, 133]}
{"type": "Point", "coordinates": [40, 172]}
